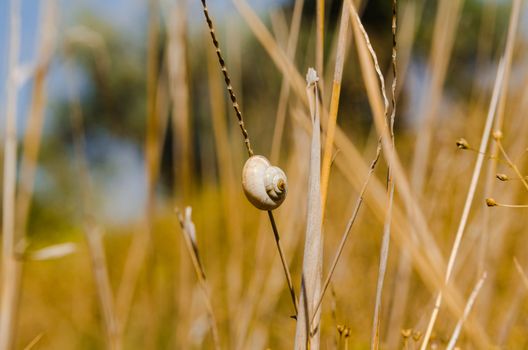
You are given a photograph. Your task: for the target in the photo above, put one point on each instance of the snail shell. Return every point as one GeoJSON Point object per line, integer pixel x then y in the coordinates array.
{"type": "Point", "coordinates": [265, 186]}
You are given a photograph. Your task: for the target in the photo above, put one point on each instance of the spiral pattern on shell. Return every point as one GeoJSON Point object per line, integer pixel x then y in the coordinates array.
{"type": "Point", "coordinates": [265, 185]}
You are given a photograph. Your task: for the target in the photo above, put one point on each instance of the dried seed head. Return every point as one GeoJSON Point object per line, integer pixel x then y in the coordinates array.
{"type": "Point", "coordinates": [497, 135]}
{"type": "Point", "coordinates": [406, 333]}
{"type": "Point", "coordinates": [503, 177]}
{"type": "Point", "coordinates": [347, 332]}
{"type": "Point", "coordinates": [340, 329]}
{"type": "Point", "coordinates": [462, 143]}
{"type": "Point", "coordinates": [417, 335]}
{"type": "Point", "coordinates": [311, 77]}
{"type": "Point", "coordinates": [490, 202]}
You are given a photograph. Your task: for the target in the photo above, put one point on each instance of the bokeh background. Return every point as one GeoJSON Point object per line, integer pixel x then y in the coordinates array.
{"type": "Point", "coordinates": [122, 116]}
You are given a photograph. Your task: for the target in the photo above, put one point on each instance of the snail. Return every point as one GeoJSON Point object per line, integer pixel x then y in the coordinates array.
{"type": "Point", "coordinates": [265, 185]}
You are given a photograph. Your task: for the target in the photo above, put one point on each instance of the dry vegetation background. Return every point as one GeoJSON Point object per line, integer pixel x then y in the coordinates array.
{"type": "Point", "coordinates": [106, 131]}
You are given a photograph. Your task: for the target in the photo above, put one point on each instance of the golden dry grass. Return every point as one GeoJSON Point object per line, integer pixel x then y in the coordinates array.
{"type": "Point", "coordinates": [454, 272]}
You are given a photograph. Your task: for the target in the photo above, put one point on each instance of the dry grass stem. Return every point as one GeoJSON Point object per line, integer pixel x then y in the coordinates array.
{"type": "Point", "coordinates": [384, 252]}
{"type": "Point", "coordinates": [34, 342]}
{"type": "Point", "coordinates": [92, 232]}
{"type": "Point", "coordinates": [319, 41]}
{"type": "Point", "coordinates": [33, 134]}
{"type": "Point", "coordinates": [510, 163]}
{"type": "Point", "coordinates": [285, 86]}
{"type": "Point", "coordinates": [467, 310]}
{"type": "Point", "coordinates": [346, 233]}
{"type": "Point", "coordinates": [284, 263]}
{"type": "Point", "coordinates": [141, 242]}
{"type": "Point", "coordinates": [104, 288]}
{"type": "Point", "coordinates": [189, 235]}
{"type": "Point", "coordinates": [227, 79]}
{"type": "Point", "coordinates": [469, 200]}
{"type": "Point", "coordinates": [445, 27]}
{"type": "Point", "coordinates": [11, 268]}
{"type": "Point", "coordinates": [498, 125]}
{"type": "Point", "coordinates": [313, 248]}
{"type": "Point", "coordinates": [334, 104]}
{"type": "Point", "coordinates": [179, 92]}
{"type": "Point", "coordinates": [519, 268]}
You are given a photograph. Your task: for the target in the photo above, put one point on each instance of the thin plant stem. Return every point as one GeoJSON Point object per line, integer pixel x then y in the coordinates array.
{"type": "Point", "coordinates": [285, 86]}
{"type": "Point", "coordinates": [189, 235]}
{"type": "Point", "coordinates": [177, 63]}
{"type": "Point", "coordinates": [34, 342]}
{"type": "Point", "coordinates": [247, 143]}
{"type": "Point", "coordinates": [141, 246]}
{"type": "Point", "coordinates": [313, 247]}
{"type": "Point", "coordinates": [385, 244]}
{"type": "Point", "coordinates": [499, 121]}
{"type": "Point", "coordinates": [511, 164]}
{"type": "Point", "coordinates": [228, 182]}
{"type": "Point", "coordinates": [334, 104]}
{"type": "Point", "coordinates": [469, 201]}
{"type": "Point", "coordinates": [521, 272]}
{"type": "Point", "coordinates": [346, 233]}
{"type": "Point", "coordinates": [512, 205]}
{"type": "Point", "coordinates": [319, 46]}
{"type": "Point", "coordinates": [445, 26]}
{"type": "Point", "coordinates": [33, 135]}
{"type": "Point", "coordinates": [284, 262]}
{"type": "Point", "coordinates": [227, 79]}
{"type": "Point", "coordinates": [92, 233]}
{"type": "Point", "coordinates": [467, 310]}
{"type": "Point", "coordinates": [104, 288]}
{"type": "Point", "coordinates": [10, 266]}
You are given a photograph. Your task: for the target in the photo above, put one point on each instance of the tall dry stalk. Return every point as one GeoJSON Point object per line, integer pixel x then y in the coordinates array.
{"type": "Point", "coordinates": [11, 268]}
{"type": "Point", "coordinates": [285, 86]}
{"type": "Point", "coordinates": [313, 247]}
{"type": "Point", "coordinates": [334, 104]}
{"type": "Point", "coordinates": [33, 134]}
{"type": "Point", "coordinates": [104, 288]}
{"type": "Point", "coordinates": [498, 92]}
{"type": "Point", "coordinates": [348, 228]}
{"type": "Point", "coordinates": [177, 52]}
{"type": "Point", "coordinates": [491, 171]}
{"type": "Point", "coordinates": [228, 186]}
{"type": "Point", "coordinates": [469, 200]}
{"type": "Point", "coordinates": [319, 38]}
{"type": "Point", "coordinates": [189, 235]}
{"type": "Point", "coordinates": [141, 242]}
{"type": "Point", "coordinates": [467, 310]}
{"type": "Point", "coordinates": [445, 27]}
{"type": "Point", "coordinates": [385, 243]}
{"type": "Point", "coordinates": [93, 233]}
{"type": "Point", "coordinates": [182, 155]}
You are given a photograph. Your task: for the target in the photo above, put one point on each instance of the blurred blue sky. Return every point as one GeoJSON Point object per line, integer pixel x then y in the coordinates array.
{"type": "Point", "coordinates": [126, 16]}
